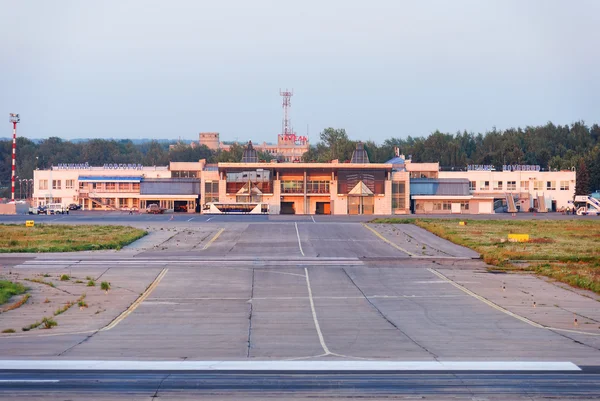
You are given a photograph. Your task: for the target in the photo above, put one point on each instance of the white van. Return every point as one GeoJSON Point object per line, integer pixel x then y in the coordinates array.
{"type": "Point", "coordinates": [56, 208]}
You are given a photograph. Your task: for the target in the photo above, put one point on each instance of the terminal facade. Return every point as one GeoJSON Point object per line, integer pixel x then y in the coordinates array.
{"type": "Point", "coordinates": [398, 186]}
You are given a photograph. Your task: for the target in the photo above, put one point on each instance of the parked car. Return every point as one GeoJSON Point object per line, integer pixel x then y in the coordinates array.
{"type": "Point", "coordinates": [154, 209]}
{"type": "Point", "coordinates": [74, 206]}
{"type": "Point", "coordinates": [38, 210]}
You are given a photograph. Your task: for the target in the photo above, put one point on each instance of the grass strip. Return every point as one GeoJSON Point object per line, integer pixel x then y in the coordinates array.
{"type": "Point", "coordinates": [564, 250]}
{"type": "Point", "coordinates": [67, 238]}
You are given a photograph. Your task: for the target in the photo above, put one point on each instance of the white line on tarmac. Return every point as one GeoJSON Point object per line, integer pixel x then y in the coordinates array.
{"type": "Point", "coordinates": [210, 218]}
{"type": "Point", "coordinates": [170, 299]}
{"type": "Point", "coordinates": [299, 242]}
{"type": "Point", "coordinates": [314, 312]}
{"type": "Point", "coordinates": [371, 365]}
{"type": "Point", "coordinates": [191, 219]}
{"type": "Point", "coordinates": [313, 219]}
{"type": "Point", "coordinates": [29, 381]}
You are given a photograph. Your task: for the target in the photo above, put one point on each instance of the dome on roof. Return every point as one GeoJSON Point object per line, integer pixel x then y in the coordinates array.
{"type": "Point", "coordinates": [396, 160]}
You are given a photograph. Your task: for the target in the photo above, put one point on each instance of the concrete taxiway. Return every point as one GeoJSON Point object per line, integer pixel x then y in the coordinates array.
{"type": "Point", "coordinates": [318, 291]}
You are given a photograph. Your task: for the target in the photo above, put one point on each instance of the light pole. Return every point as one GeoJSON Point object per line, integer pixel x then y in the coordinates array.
{"type": "Point", "coordinates": [30, 186]}
{"type": "Point", "coordinates": [14, 119]}
{"type": "Point", "coordinates": [15, 183]}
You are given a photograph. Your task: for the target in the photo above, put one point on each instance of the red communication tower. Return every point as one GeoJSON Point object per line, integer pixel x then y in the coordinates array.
{"type": "Point", "coordinates": [286, 128]}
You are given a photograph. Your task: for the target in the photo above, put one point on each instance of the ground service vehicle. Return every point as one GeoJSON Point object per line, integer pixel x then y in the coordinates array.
{"type": "Point", "coordinates": [154, 209]}
{"type": "Point", "coordinates": [56, 208]}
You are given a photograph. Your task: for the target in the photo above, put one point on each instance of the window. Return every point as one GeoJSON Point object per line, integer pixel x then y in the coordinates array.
{"type": "Point", "coordinates": [317, 187]}
{"type": "Point", "coordinates": [211, 191]}
{"type": "Point", "coordinates": [184, 174]}
{"type": "Point", "coordinates": [538, 185]}
{"type": "Point", "coordinates": [484, 185]}
{"type": "Point", "coordinates": [511, 185]}
{"type": "Point", "coordinates": [550, 185]}
{"type": "Point", "coordinates": [464, 206]}
{"type": "Point", "coordinates": [498, 185]}
{"type": "Point", "coordinates": [472, 185]}
{"type": "Point", "coordinates": [437, 206]}
{"type": "Point", "coordinates": [43, 184]}
{"type": "Point", "coordinates": [292, 187]}
{"type": "Point", "coordinates": [111, 186]}
{"type": "Point", "coordinates": [56, 184]}
{"type": "Point", "coordinates": [525, 185]}
{"type": "Point", "coordinates": [423, 174]}
{"type": "Point", "coordinates": [398, 195]}
{"type": "Point", "coordinates": [446, 205]}
{"type": "Point", "coordinates": [124, 186]}
{"type": "Point", "coordinates": [69, 184]}
{"type": "Point", "coordinates": [564, 185]}
{"type": "Point", "coordinates": [135, 187]}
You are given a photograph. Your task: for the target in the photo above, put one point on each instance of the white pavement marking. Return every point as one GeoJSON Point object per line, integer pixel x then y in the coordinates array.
{"type": "Point", "coordinates": [506, 311]}
{"type": "Point", "coordinates": [94, 365]}
{"type": "Point", "coordinates": [29, 381]}
{"type": "Point", "coordinates": [299, 242]}
{"type": "Point", "coordinates": [191, 219]}
{"type": "Point", "coordinates": [313, 219]}
{"type": "Point", "coordinates": [314, 312]}
{"type": "Point", "coordinates": [209, 219]}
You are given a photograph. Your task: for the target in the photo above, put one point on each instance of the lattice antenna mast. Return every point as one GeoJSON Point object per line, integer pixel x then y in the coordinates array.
{"type": "Point", "coordinates": [286, 128]}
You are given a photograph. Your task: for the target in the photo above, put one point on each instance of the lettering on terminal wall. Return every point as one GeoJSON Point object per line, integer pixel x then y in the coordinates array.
{"type": "Point", "coordinates": [520, 167]}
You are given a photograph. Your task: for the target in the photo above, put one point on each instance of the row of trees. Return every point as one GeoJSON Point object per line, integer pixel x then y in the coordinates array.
{"type": "Point", "coordinates": [550, 146]}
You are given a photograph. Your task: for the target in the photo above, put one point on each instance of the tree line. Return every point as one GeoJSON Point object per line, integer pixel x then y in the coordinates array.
{"type": "Point", "coordinates": [553, 147]}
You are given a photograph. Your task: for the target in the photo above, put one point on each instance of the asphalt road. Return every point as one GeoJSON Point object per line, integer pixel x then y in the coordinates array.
{"type": "Point", "coordinates": [284, 385]}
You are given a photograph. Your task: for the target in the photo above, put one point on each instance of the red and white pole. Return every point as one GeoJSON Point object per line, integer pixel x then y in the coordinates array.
{"type": "Point", "coordinates": [14, 119]}
{"type": "Point", "coordinates": [14, 160]}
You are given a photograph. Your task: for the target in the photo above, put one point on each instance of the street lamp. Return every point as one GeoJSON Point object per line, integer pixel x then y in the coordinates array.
{"type": "Point", "coordinates": [30, 186]}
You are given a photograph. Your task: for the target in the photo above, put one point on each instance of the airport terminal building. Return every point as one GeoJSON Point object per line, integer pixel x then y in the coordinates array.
{"type": "Point", "coordinates": [357, 187]}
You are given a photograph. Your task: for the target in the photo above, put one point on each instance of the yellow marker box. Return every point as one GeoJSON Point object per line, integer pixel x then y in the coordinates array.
{"type": "Point", "coordinates": [518, 237]}
{"type": "Point", "coordinates": [462, 223]}
{"type": "Point", "coordinates": [29, 223]}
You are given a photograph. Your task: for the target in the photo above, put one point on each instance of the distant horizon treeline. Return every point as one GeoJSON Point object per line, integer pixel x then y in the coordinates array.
{"type": "Point", "coordinates": [550, 146]}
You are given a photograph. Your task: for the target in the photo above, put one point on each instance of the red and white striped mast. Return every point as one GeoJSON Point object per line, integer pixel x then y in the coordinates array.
{"type": "Point", "coordinates": [14, 119]}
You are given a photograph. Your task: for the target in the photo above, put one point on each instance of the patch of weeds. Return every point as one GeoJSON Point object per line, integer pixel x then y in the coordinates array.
{"type": "Point", "coordinates": [17, 304]}
{"type": "Point", "coordinates": [6, 331]}
{"type": "Point", "coordinates": [46, 275]}
{"type": "Point", "coordinates": [88, 278]}
{"type": "Point", "coordinates": [31, 326]}
{"type": "Point", "coordinates": [63, 309]}
{"type": "Point", "coordinates": [49, 323]}
{"type": "Point", "coordinates": [91, 283]}
{"type": "Point", "coordinates": [105, 286]}
{"type": "Point", "coordinates": [65, 277]}
{"type": "Point", "coordinates": [46, 301]}
{"type": "Point", "coordinates": [78, 281]}
{"type": "Point", "coordinates": [8, 289]}
{"type": "Point", "coordinates": [82, 304]}
{"type": "Point", "coordinates": [40, 281]}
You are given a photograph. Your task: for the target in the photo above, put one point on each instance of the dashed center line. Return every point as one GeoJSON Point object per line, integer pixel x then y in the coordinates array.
{"type": "Point", "coordinates": [299, 242]}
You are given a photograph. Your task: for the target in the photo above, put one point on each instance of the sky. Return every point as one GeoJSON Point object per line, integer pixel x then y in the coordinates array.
{"type": "Point", "coordinates": [379, 68]}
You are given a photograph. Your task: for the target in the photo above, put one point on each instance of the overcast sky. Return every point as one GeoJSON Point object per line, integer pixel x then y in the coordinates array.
{"type": "Point", "coordinates": [379, 68]}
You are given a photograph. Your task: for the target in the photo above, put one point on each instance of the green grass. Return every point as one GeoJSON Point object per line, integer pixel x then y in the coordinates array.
{"type": "Point", "coordinates": [9, 289]}
{"type": "Point", "coordinates": [6, 331]}
{"type": "Point", "coordinates": [59, 238]}
{"type": "Point", "coordinates": [40, 281]}
{"type": "Point", "coordinates": [565, 250]}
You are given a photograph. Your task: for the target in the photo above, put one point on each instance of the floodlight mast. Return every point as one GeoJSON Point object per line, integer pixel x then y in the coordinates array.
{"type": "Point", "coordinates": [14, 119]}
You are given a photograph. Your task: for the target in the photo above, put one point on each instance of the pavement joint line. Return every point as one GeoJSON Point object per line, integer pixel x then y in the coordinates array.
{"type": "Point", "coordinates": [299, 242]}
{"type": "Point", "coordinates": [388, 241]}
{"type": "Point", "coordinates": [314, 313]}
{"type": "Point", "coordinates": [506, 311]}
{"type": "Point", "coordinates": [137, 302]}
{"type": "Point", "coordinates": [213, 239]}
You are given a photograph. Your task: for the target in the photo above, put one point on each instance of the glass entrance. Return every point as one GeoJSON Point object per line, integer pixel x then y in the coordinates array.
{"type": "Point", "coordinates": [361, 205]}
